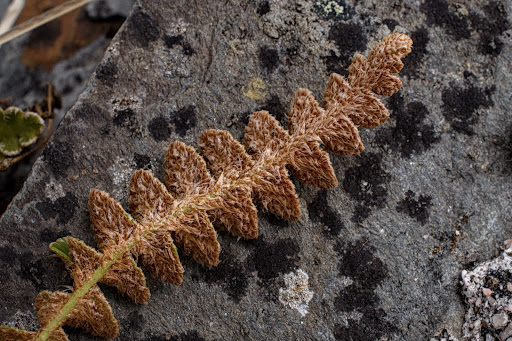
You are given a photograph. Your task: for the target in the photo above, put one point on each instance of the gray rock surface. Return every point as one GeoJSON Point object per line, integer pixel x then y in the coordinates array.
{"type": "Point", "coordinates": [103, 9]}
{"type": "Point", "coordinates": [381, 254]}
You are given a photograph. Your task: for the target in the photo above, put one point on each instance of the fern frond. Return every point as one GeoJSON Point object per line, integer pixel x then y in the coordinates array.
{"type": "Point", "coordinates": [215, 189]}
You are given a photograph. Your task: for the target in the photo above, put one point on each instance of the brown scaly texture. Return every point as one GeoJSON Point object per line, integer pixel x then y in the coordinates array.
{"type": "Point", "coordinates": [218, 187]}
{"type": "Point", "coordinates": [275, 192]}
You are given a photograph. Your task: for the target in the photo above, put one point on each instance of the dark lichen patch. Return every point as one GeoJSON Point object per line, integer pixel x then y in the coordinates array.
{"type": "Point", "coordinates": [89, 112]}
{"type": "Point", "coordinates": [349, 38]}
{"type": "Point", "coordinates": [172, 41]}
{"type": "Point", "coordinates": [334, 9]}
{"type": "Point", "coordinates": [440, 14]}
{"type": "Point", "coordinates": [243, 118]}
{"type": "Point", "coordinates": [143, 28]}
{"type": "Point", "coordinates": [184, 119]}
{"type": "Point", "coordinates": [132, 325]}
{"type": "Point", "coordinates": [142, 161]}
{"type": "Point", "coordinates": [505, 143]}
{"type": "Point", "coordinates": [417, 209]}
{"type": "Point", "coordinates": [365, 184]}
{"type": "Point", "coordinates": [230, 274]}
{"type": "Point", "coordinates": [321, 212]}
{"type": "Point", "coordinates": [188, 336]}
{"type": "Point", "coordinates": [274, 220]}
{"type": "Point", "coordinates": [125, 118]}
{"type": "Point", "coordinates": [49, 235]}
{"type": "Point", "coordinates": [391, 24]}
{"type": "Point", "coordinates": [490, 27]}
{"type": "Point", "coordinates": [360, 213]}
{"type": "Point", "coordinates": [277, 109]}
{"type": "Point", "coordinates": [409, 135]}
{"type": "Point", "coordinates": [106, 73]}
{"type": "Point", "coordinates": [263, 8]}
{"type": "Point", "coordinates": [460, 106]}
{"type": "Point", "coordinates": [179, 40]}
{"type": "Point", "coordinates": [33, 270]}
{"type": "Point", "coordinates": [134, 321]}
{"type": "Point", "coordinates": [359, 263]}
{"type": "Point", "coordinates": [63, 208]}
{"type": "Point", "coordinates": [59, 157]}
{"type": "Point", "coordinates": [159, 128]}
{"type": "Point", "coordinates": [413, 61]}
{"type": "Point", "coordinates": [269, 59]}
{"type": "Point", "coordinates": [272, 259]}
{"type": "Point", "coordinates": [366, 328]}
{"type": "Point", "coordinates": [7, 255]}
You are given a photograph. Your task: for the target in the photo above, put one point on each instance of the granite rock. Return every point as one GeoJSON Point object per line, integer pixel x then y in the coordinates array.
{"type": "Point", "coordinates": [382, 252]}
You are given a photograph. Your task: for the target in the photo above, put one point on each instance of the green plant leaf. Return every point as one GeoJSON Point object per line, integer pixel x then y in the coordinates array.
{"type": "Point", "coordinates": [61, 247]}
{"type": "Point", "coordinates": [18, 129]}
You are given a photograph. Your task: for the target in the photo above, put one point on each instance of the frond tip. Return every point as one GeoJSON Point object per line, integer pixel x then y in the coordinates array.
{"type": "Point", "coordinates": [374, 74]}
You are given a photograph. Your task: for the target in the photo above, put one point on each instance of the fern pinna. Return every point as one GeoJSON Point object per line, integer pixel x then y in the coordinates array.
{"type": "Point", "coordinates": [215, 189]}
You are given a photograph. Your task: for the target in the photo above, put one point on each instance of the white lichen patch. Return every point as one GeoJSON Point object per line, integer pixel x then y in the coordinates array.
{"type": "Point", "coordinates": [22, 320]}
{"type": "Point", "coordinates": [330, 6]}
{"type": "Point", "coordinates": [296, 294]}
{"type": "Point", "coordinates": [121, 173]}
{"type": "Point", "coordinates": [346, 317]}
{"type": "Point", "coordinates": [53, 190]}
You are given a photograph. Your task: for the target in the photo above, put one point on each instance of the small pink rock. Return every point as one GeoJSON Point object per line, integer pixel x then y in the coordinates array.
{"type": "Point", "coordinates": [487, 291]}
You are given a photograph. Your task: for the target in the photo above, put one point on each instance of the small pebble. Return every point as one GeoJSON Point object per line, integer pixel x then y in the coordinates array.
{"type": "Point", "coordinates": [477, 324]}
{"type": "Point", "coordinates": [487, 291]}
{"type": "Point", "coordinates": [499, 320]}
{"type": "Point", "coordinates": [507, 332]}
{"type": "Point", "coordinates": [509, 286]}
{"type": "Point", "coordinates": [491, 301]}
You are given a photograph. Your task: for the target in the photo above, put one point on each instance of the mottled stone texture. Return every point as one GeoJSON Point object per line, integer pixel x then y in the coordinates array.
{"type": "Point", "coordinates": [429, 197]}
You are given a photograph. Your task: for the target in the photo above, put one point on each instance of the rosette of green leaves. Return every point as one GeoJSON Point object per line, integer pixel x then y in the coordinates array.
{"type": "Point", "coordinates": [18, 129]}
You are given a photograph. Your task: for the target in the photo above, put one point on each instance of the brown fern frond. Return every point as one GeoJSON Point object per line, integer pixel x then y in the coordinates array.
{"type": "Point", "coordinates": [190, 230]}
{"type": "Point", "coordinates": [311, 164]}
{"type": "Point", "coordinates": [112, 225]}
{"type": "Point", "coordinates": [384, 59]}
{"type": "Point", "coordinates": [275, 191]}
{"type": "Point", "coordinates": [198, 238]}
{"type": "Point", "coordinates": [218, 187]}
{"type": "Point", "coordinates": [13, 334]}
{"type": "Point", "coordinates": [150, 201]}
{"type": "Point", "coordinates": [186, 173]}
{"type": "Point", "coordinates": [336, 130]}
{"type": "Point", "coordinates": [354, 97]}
{"type": "Point", "coordinates": [227, 160]}
{"type": "Point", "coordinates": [124, 274]}
{"type": "Point", "coordinates": [224, 155]}
{"type": "Point", "coordinates": [92, 313]}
